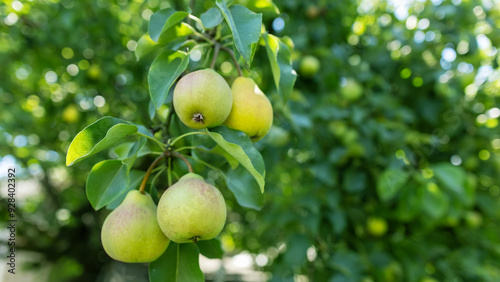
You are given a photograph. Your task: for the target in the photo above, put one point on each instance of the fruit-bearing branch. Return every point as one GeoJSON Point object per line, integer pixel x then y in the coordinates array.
{"type": "Point", "coordinates": [156, 161]}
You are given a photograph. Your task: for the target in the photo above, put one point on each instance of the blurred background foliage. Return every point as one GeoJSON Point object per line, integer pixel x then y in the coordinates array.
{"type": "Point", "coordinates": [383, 166]}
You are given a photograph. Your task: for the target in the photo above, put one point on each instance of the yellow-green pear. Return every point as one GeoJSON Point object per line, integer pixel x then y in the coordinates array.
{"type": "Point", "coordinates": [352, 90]}
{"type": "Point", "coordinates": [191, 210]}
{"type": "Point", "coordinates": [131, 233]}
{"type": "Point", "coordinates": [202, 99]}
{"type": "Point", "coordinates": [252, 112]}
{"type": "Point", "coordinates": [309, 66]}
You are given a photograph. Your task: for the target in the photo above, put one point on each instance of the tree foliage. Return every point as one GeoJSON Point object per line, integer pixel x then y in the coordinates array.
{"type": "Point", "coordinates": [396, 183]}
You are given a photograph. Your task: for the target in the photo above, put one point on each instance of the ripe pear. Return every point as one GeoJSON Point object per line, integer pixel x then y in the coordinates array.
{"type": "Point", "coordinates": [202, 99]}
{"type": "Point", "coordinates": [191, 210]}
{"type": "Point", "coordinates": [252, 112]}
{"type": "Point", "coordinates": [131, 233]}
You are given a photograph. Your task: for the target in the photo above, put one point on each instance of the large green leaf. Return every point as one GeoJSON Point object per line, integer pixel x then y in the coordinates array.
{"type": "Point", "coordinates": [452, 178]}
{"type": "Point", "coordinates": [238, 145]}
{"type": "Point", "coordinates": [245, 188]}
{"type": "Point", "coordinates": [296, 252]}
{"type": "Point", "coordinates": [179, 263]}
{"type": "Point", "coordinates": [173, 36]}
{"type": "Point", "coordinates": [163, 20]}
{"type": "Point", "coordinates": [260, 5]}
{"type": "Point", "coordinates": [245, 26]}
{"type": "Point", "coordinates": [144, 46]}
{"type": "Point", "coordinates": [211, 18]}
{"type": "Point", "coordinates": [163, 72]}
{"type": "Point", "coordinates": [135, 177]}
{"type": "Point", "coordinates": [211, 248]}
{"type": "Point", "coordinates": [272, 48]}
{"type": "Point", "coordinates": [98, 136]}
{"type": "Point", "coordinates": [106, 182]}
{"type": "Point", "coordinates": [390, 182]}
{"type": "Point", "coordinates": [287, 73]}
{"type": "Point", "coordinates": [434, 202]}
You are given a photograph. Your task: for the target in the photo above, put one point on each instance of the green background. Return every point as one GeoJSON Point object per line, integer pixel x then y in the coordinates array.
{"type": "Point", "coordinates": [416, 150]}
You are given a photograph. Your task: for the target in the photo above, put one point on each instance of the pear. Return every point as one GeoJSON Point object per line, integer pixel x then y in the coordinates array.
{"type": "Point", "coordinates": [309, 66]}
{"type": "Point", "coordinates": [191, 210]}
{"type": "Point", "coordinates": [202, 99]}
{"type": "Point", "coordinates": [131, 233]}
{"type": "Point", "coordinates": [352, 90]}
{"type": "Point", "coordinates": [252, 112]}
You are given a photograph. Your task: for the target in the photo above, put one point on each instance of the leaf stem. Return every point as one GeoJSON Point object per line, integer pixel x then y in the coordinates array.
{"type": "Point", "coordinates": [231, 53]}
{"type": "Point", "coordinates": [148, 172]}
{"type": "Point", "coordinates": [203, 37]}
{"type": "Point", "coordinates": [186, 148]}
{"type": "Point", "coordinates": [184, 135]}
{"type": "Point", "coordinates": [169, 172]}
{"type": "Point", "coordinates": [163, 146]}
{"type": "Point", "coordinates": [166, 130]}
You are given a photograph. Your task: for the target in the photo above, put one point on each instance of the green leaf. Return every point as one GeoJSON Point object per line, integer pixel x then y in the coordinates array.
{"type": "Point", "coordinates": [338, 221]}
{"type": "Point", "coordinates": [179, 263]}
{"type": "Point", "coordinates": [451, 177]}
{"type": "Point", "coordinates": [106, 182]}
{"type": "Point", "coordinates": [260, 5]}
{"type": "Point", "coordinates": [98, 136]}
{"type": "Point", "coordinates": [238, 145]}
{"type": "Point", "coordinates": [390, 182]}
{"type": "Point", "coordinates": [211, 248]}
{"type": "Point", "coordinates": [211, 18]}
{"type": "Point", "coordinates": [296, 253]}
{"type": "Point", "coordinates": [245, 26]}
{"type": "Point", "coordinates": [272, 47]}
{"type": "Point", "coordinates": [230, 159]}
{"type": "Point", "coordinates": [354, 181]}
{"type": "Point", "coordinates": [129, 149]}
{"type": "Point", "coordinates": [199, 50]}
{"type": "Point", "coordinates": [173, 36]}
{"type": "Point", "coordinates": [434, 202]}
{"type": "Point", "coordinates": [163, 20]}
{"type": "Point", "coordinates": [409, 203]}
{"type": "Point", "coordinates": [245, 188]}
{"type": "Point", "coordinates": [135, 177]}
{"type": "Point", "coordinates": [287, 73]}
{"type": "Point", "coordinates": [151, 110]}
{"type": "Point", "coordinates": [163, 72]}
{"type": "Point", "coordinates": [144, 46]}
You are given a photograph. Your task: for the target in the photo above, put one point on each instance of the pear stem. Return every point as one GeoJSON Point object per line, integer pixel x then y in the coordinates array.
{"type": "Point", "coordinates": [148, 172]}
{"type": "Point", "coordinates": [216, 53]}
{"type": "Point", "coordinates": [180, 156]}
{"type": "Point", "coordinates": [231, 53]}
{"type": "Point", "coordinates": [169, 154]}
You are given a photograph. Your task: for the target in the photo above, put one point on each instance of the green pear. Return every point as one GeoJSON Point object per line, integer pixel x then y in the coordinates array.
{"type": "Point", "coordinates": [309, 66]}
{"type": "Point", "coordinates": [376, 226]}
{"type": "Point", "coordinates": [191, 210]}
{"type": "Point", "coordinates": [352, 90]}
{"type": "Point", "coordinates": [131, 233]}
{"type": "Point", "coordinates": [252, 112]}
{"type": "Point", "coordinates": [202, 99]}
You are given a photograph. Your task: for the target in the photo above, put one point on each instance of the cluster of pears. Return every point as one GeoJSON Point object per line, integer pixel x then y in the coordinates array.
{"type": "Point", "coordinates": [203, 99]}
{"type": "Point", "coordinates": [137, 231]}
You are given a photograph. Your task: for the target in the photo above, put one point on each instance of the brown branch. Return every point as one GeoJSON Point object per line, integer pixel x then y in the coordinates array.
{"type": "Point", "coordinates": [148, 172]}
{"type": "Point", "coordinates": [216, 53]}
{"type": "Point", "coordinates": [180, 156]}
